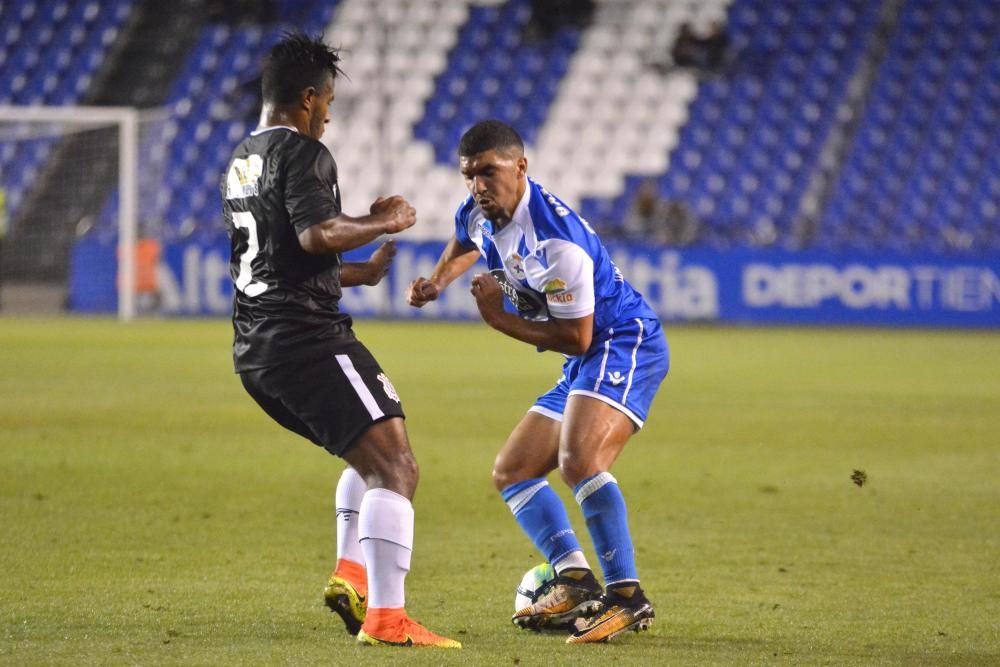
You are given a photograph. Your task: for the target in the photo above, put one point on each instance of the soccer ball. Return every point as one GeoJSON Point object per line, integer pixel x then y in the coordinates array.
{"type": "Point", "coordinates": [534, 582]}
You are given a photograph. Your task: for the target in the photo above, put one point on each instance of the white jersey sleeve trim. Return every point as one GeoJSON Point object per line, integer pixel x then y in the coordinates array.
{"type": "Point", "coordinates": [564, 273]}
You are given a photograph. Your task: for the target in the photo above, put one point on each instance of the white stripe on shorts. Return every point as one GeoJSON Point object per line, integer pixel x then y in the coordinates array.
{"type": "Point", "coordinates": [604, 359]}
{"type": "Point", "coordinates": [547, 412]}
{"type": "Point", "coordinates": [631, 371]}
{"type": "Point", "coordinates": [610, 401]}
{"type": "Point", "coordinates": [359, 386]}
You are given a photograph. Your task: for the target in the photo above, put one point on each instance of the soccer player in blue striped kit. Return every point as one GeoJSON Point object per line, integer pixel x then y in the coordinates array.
{"type": "Point", "coordinates": [569, 297]}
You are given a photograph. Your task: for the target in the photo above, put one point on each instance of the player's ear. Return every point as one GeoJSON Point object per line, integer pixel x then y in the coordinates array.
{"type": "Point", "coordinates": [522, 166]}
{"type": "Point", "coordinates": [307, 98]}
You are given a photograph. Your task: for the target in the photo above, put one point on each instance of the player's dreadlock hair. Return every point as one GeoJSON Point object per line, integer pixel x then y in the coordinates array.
{"type": "Point", "coordinates": [489, 135]}
{"type": "Point", "coordinates": [296, 63]}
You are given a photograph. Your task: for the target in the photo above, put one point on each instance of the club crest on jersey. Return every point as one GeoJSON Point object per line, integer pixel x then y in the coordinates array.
{"type": "Point", "coordinates": [390, 390]}
{"type": "Point", "coordinates": [517, 266]}
{"type": "Point", "coordinates": [241, 181]}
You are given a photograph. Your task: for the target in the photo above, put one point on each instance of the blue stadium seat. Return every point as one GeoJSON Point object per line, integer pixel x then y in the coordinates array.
{"type": "Point", "coordinates": [51, 50]}
{"type": "Point", "coordinates": [223, 59]}
{"type": "Point", "coordinates": [936, 74]}
{"type": "Point", "coordinates": [517, 91]}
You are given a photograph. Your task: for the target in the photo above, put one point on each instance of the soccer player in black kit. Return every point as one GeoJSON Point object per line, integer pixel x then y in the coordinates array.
{"type": "Point", "coordinates": [294, 349]}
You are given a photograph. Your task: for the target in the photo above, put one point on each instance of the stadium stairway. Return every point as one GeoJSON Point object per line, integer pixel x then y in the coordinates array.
{"type": "Point", "coordinates": [739, 146]}
{"type": "Point", "coordinates": [754, 132]}
{"type": "Point", "coordinates": [578, 97]}
{"type": "Point", "coordinates": [615, 115]}
{"type": "Point", "coordinates": [406, 44]}
{"type": "Point", "coordinates": [923, 172]}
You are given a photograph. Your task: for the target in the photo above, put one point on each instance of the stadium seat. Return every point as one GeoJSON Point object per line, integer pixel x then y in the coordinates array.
{"type": "Point", "coordinates": [740, 146]}
{"type": "Point", "coordinates": [51, 52]}
{"type": "Point", "coordinates": [936, 74]}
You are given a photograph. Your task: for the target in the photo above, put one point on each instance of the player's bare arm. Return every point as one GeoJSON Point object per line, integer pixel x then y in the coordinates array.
{"type": "Point", "coordinates": [369, 273]}
{"type": "Point", "coordinates": [342, 233]}
{"type": "Point", "coordinates": [454, 261]}
{"type": "Point", "coordinates": [569, 336]}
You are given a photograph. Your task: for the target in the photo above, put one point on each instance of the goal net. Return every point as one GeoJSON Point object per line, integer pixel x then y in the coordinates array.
{"type": "Point", "coordinates": [69, 177]}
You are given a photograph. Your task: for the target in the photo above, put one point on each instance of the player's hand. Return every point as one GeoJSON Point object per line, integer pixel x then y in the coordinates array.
{"type": "Point", "coordinates": [398, 213]}
{"type": "Point", "coordinates": [379, 262]}
{"type": "Point", "coordinates": [488, 294]}
{"type": "Point", "coordinates": [421, 291]}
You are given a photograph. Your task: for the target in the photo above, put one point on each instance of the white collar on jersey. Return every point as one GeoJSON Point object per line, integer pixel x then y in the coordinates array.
{"type": "Point", "coordinates": [261, 130]}
{"type": "Point", "coordinates": [521, 217]}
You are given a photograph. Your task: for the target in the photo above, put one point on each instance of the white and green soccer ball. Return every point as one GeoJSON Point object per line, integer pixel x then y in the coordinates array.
{"type": "Point", "coordinates": [534, 582]}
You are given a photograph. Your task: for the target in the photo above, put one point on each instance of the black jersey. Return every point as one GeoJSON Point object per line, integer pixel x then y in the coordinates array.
{"type": "Point", "coordinates": [277, 184]}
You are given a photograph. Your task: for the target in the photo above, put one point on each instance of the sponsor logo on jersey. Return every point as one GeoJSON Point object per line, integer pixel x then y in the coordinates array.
{"type": "Point", "coordinates": [555, 291]}
{"type": "Point", "coordinates": [555, 286]}
{"type": "Point", "coordinates": [390, 390]}
{"type": "Point", "coordinates": [242, 179]}
{"type": "Point", "coordinates": [615, 377]}
{"type": "Point", "coordinates": [529, 303]}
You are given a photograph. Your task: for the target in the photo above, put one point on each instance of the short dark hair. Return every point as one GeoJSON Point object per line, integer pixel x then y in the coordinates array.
{"type": "Point", "coordinates": [296, 63]}
{"type": "Point", "coordinates": [489, 135]}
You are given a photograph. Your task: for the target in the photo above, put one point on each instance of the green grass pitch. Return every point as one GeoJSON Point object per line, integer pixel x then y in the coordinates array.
{"type": "Point", "coordinates": [152, 515]}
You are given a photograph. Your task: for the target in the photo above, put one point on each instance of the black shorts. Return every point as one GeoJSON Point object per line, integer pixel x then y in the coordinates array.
{"type": "Point", "coordinates": [330, 399]}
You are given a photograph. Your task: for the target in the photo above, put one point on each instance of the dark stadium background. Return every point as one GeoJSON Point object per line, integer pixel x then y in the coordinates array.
{"type": "Point", "coordinates": [761, 160]}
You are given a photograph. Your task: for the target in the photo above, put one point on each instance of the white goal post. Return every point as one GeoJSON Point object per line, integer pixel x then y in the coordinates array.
{"type": "Point", "coordinates": [127, 121]}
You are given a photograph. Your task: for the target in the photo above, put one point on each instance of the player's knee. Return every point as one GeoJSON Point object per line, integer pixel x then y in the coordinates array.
{"type": "Point", "coordinates": [575, 469]}
{"type": "Point", "coordinates": [507, 472]}
{"type": "Point", "coordinates": [502, 478]}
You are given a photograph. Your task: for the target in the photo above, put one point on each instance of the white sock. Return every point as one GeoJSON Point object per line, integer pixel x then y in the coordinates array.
{"type": "Point", "coordinates": [386, 531]}
{"type": "Point", "coordinates": [350, 490]}
{"type": "Point", "coordinates": [574, 559]}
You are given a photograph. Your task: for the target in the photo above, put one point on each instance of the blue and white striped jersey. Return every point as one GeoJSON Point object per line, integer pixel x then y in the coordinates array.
{"type": "Point", "coordinates": [551, 263]}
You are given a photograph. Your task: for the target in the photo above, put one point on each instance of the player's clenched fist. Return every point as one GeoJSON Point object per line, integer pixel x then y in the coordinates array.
{"type": "Point", "coordinates": [398, 212]}
{"type": "Point", "coordinates": [421, 291]}
{"type": "Point", "coordinates": [380, 261]}
{"type": "Point", "coordinates": [488, 294]}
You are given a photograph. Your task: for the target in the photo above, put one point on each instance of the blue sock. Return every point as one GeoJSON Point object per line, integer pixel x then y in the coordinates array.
{"type": "Point", "coordinates": [607, 520]}
{"type": "Point", "coordinates": [542, 515]}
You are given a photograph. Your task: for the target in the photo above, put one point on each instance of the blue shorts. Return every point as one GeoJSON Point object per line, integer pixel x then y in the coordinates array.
{"type": "Point", "coordinates": [623, 367]}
